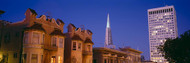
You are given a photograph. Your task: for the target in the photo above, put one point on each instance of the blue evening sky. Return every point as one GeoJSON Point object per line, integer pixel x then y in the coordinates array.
{"type": "Point", "coordinates": [129, 23]}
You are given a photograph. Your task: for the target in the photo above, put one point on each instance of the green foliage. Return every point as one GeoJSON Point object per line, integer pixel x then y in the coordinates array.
{"type": "Point", "coordinates": [177, 50]}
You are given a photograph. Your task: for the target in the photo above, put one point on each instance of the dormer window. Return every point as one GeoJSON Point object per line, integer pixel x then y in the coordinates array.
{"type": "Point", "coordinates": [36, 37]}
{"type": "Point", "coordinates": [54, 40]}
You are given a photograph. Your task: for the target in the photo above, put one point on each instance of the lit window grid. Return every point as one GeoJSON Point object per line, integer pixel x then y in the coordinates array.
{"type": "Point", "coordinates": [161, 26]}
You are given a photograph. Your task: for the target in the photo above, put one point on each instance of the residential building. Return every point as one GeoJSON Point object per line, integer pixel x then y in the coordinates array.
{"type": "Point", "coordinates": [78, 45]}
{"type": "Point", "coordinates": [162, 24]}
{"type": "Point", "coordinates": [32, 40]}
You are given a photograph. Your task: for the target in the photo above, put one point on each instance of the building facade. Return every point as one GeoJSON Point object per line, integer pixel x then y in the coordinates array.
{"type": "Point", "coordinates": [78, 48]}
{"type": "Point", "coordinates": [122, 55]}
{"type": "Point", "coordinates": [33, 40]}
{"type": "Point", "coordinates": [162, 24]}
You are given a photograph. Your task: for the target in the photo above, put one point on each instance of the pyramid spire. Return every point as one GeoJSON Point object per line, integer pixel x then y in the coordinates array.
{"type": "Point", "coordinates": [108, 21]}
{"type": "Point", "coordinates": [108, 37]}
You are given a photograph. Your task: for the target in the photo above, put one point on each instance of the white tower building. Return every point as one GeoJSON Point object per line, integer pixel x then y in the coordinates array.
{"type": "Point", "coordinates": [162, 24]}
{"type": "Point", "coordinates": [108, 37]}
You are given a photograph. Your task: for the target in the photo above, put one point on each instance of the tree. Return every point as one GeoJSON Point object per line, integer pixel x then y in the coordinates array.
{"type": "Point", "coordinates": [142, 58]}
{"type": "Point", "coordinates": [177, 50]}
{"type": "Point", "coordinates": [1, 12]}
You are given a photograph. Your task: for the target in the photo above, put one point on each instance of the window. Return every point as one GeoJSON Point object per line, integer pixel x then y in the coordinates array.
{"type": "Point", "coordinates": [7, 37]}
{"type": "Point", "coordinates": [42, 59]}
{"type": "Point", "coordinates": [105, 61]}
{"type": "Point", "coordinates": [36, 38]}
{"type": "Point", "coordinates": [43, 38]}
{"type": "Point", "coordinates": [34, 58]}
{"type": "Point", "coordinates": [59, 59]}
{"type": "Point", "coordinates": [26, 37]}
{"type": "Point", "coordinates": [74, 45]}
{"type": "Point", "coordinates": [54, 40]}
{"type": "Point", "coordinates": [17, 34]}
{"type": "Point", "coordinates": [53, 59]}
{"type": "Point", "coordinates": [15, 55]}
{"type": "Point", "coordinates": [89, 48]}
{"type": "Point", "coordinates": [111, 60]}
{"type": "Point", "coordinates": [79, 46]}
{"type": "Point", "coordinates": [60, 42]}
{"type": "Point", "coordinates": [24, 58]}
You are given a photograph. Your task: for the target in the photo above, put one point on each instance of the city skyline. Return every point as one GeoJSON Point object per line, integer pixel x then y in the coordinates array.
{"type": "Point", "coordinates": [129, 18]}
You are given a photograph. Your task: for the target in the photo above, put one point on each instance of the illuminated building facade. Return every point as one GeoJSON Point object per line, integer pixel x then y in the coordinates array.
{"type": "Point", "coordinates": [162, 24]}
{"type": "Point", "coordinates": [33, 40]}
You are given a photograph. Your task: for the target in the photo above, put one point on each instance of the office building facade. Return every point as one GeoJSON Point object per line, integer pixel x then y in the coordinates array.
{"type": "Point", "coordinates": [162, 24]}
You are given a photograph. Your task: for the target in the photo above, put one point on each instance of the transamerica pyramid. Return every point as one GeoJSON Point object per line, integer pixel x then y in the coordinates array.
{"type": "Point", "coordinates": [108, 37]}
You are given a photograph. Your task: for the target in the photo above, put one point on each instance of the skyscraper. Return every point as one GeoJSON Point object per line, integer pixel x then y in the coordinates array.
{"type": "Point", "coordinates": [108, 37]}
{"type": "Point", "coordinates": [162, 24]}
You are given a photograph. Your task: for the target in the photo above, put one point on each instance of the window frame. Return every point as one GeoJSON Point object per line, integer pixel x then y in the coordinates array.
{"type": "Point", "coordinates": [74, 45]}
{"type": "Point", "coordinates": [61, 42]}
{"type": "Point", "coordinates": [54, 41]}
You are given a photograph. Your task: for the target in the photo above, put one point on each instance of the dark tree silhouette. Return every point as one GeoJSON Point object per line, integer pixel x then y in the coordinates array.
{"type": "Point", "coordinates": [1, 12]}
{"type": "Point", "coordinates": [177, 50]}
{"type": "Point", "coordinates": [142, 58]}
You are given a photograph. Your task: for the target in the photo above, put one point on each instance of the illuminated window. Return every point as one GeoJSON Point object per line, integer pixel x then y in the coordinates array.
{"type": "Point", "coordinates": [53, 59]}
{"type": "Point", "coordinates": [74, 45]}
{"type": "Point", "coordinates": [36, 38]}
{"type": "Point", "coordinates": [59, 59]}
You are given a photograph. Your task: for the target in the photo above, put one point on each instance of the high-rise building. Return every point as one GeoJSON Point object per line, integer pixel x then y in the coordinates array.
{"type": "Point", "coordinates": [162, 24]}
{"type": "Point", "coordinates": [108, 37]}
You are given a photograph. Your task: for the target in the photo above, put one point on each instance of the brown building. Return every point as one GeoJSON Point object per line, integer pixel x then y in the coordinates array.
{"type": "Point", "coordinates": [33, 40]}
{"type": "Point", "coordinates": [78, 48]}
{"type": "Point", "coordinates": [122, 55]}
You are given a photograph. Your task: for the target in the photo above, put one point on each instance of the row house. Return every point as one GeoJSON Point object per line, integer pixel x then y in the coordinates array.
{"type": "Point", "coordinates": [78, 45]}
